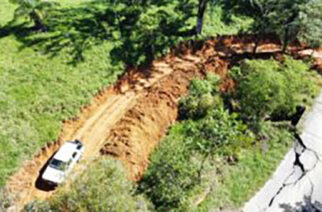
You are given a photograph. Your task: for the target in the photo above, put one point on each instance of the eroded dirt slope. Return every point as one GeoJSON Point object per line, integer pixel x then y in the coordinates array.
{"type": "Point", "coordinates": [137, 133]}
{"type": "Point", "coordinates": [92, 126]}
{"type": "Point", "coordinates": [126, 121]}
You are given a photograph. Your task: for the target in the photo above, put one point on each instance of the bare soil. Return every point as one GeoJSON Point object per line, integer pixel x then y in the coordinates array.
{"type": "Point", "coordinates": [126, 121]}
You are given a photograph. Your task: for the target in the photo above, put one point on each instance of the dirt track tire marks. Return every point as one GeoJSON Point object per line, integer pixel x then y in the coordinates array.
{"type": "Point", "coordinates": [127, 120]}
{"type": "Point", "coordinates": [135, 136]}
{"type": "Point", "coordinates": [92, 127]}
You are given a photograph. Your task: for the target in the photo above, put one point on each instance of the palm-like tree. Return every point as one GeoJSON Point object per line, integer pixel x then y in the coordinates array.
{"type": "Point", "coordinates": [34, 10]}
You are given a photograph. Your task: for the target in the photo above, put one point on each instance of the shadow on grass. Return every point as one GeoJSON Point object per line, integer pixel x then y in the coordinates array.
{"type": "Point", "coordinates": [138, 33]}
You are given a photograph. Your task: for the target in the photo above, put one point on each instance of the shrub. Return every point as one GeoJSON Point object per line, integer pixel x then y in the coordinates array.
{"type": "Point", "coordinates": [102, 187]}
{"type": "Point", "coordinates": [220, 133]}
{"type": "Point", "coordinates": [175, 172]}
{"type": "Point", "coordinates": [266, 87]}
{"type": "Point", "coordinates": [171, 174]}
{"type": "Point", "coordinates": [203, 97]}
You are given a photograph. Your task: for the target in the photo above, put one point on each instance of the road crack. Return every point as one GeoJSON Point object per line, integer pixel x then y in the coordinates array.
{"type": "Point", "coordinates": [299, 149]}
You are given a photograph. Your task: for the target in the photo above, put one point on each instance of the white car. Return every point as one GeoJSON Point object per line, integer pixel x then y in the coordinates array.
{"type": "Point", "coordinates": [63, 162]}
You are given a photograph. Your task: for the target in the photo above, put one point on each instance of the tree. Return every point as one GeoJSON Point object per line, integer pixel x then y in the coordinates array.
{"type": "Point", "coordinates": [266, 88]}
{"type": "Point", "coordinates": [291, 20]}
{"type": "Point", "coordinates": [149, 28]}
{"type": "Point", "coordinates": [282, 18]}
{"type": "Point", "coordinates": [201, 12]}
{"type": "Point", "coordinates": [181, 163]}
{"type": "Point", "coordinates": [171, 175]}
{"type": "Point", "coordinates": [203, 97]}
{"type": "Point", "coordinates": [34, 10]}
{"type": "Point", "coordinates": [310, 23]}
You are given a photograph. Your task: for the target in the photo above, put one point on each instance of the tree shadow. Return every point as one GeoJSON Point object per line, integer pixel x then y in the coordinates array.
{"type": "Point", "coordinates": [143, 37]}
{"type": "Point", "coordinates": [137, 32]}
{"type": "Point", "coordinates": [306, 206]}
{"type": "Point", "coordinates": [19, 30]}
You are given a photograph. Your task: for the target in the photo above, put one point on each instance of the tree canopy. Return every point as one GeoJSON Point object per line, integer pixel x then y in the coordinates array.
{"type": "Point", "coordinates": [289, 19]}
{"type": "Point", "coordinates": [268, 88]}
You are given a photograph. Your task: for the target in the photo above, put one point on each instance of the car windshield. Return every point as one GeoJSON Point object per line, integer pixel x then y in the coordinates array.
{"type": "Point", "coordinates": [58, 164]}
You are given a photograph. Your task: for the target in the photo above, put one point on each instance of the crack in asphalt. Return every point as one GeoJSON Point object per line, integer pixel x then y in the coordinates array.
{"type": "Point", "coordinates": [298, 163]}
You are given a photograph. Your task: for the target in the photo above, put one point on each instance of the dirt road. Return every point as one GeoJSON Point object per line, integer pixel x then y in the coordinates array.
{"type": "Point", "coordinates": [92, 127]}
{"type": "Point", "coordinates": [127, 120]}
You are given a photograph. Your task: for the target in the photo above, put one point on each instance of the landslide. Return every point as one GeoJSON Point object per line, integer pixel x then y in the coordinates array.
{"type": "Point", "coordinates": [126, 121]}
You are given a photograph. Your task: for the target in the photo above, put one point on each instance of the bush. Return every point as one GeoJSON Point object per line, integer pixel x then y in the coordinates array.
{"type": "Point", "coordinates": [175, 174]}
{"type": "Point", "coordinates": [220, 133]}
{"type": "Point", "coordinates": [171, 174]}
{"type": "Point", "coordinates": [203, 97]}
{"type": "Point", "coordinates": [255, 166]}
{"type": "Point", "coordinates": [267, 88]}
{"type": "Point", "coordinates": [102, 187]}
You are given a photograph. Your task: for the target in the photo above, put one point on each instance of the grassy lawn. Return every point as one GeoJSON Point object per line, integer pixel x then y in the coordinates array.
{"type": "Point", "coordinates": [37, 92]}
{"type": "Point", "coordinates": [39, 87]}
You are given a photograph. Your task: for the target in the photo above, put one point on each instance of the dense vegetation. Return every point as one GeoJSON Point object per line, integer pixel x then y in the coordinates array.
{"type": "Point", "coordinates": [104, 187]}
{"type": "Point", "coordinates": [217, 150]}
{"type": "Point", "coordinates": [213, 157]}
{"type": "Point", "coordinates": [54, 57]}
{"type": "Point", "coordinates": [291, 20]}
{"type": "Point", "coordinates": [48, 74]}
{"type": "Point", "coordinates": [266, 94]}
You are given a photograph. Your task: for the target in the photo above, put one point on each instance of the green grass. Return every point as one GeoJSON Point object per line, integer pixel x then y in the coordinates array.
{"type": "Point", "coordinates": [212, 149]}
{"type": "Point", "coordinates": [238, 183]}
{"type": "Point", "coordinates": [232, 184]}
{"type": "Point", "coordinates": [37, 92]}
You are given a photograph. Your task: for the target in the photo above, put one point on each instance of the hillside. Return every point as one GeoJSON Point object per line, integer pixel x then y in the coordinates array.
{"type": "Point", "coordinates": [190, 117]}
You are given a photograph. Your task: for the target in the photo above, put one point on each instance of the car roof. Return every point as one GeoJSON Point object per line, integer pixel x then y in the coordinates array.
{"type": "Point", "coordinates": [66, 151]}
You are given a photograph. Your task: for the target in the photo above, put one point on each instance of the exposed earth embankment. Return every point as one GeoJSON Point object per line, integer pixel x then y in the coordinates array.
{"type": "Point", "coordinates": [126, 121]}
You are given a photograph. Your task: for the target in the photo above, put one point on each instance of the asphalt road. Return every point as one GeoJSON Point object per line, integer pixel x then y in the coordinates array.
{"type": "Point", "coordinates": [297, 183]}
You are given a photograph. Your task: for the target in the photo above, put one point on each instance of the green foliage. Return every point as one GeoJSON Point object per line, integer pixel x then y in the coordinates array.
{"type": "Point", "coordinates": [171, 174]}
{"type": "Point", "coordinates": [290, 19]}
{"type": "Point", "coordinates": [38, 92]}
{"type": "Point", "coordinates": [238, 183]}
{"type": "Point", "coordinates": [266, 87]}
{"type": "Point", "coordinates": [219, 133]}
{"type": "Point", "coordinates": [148, 29]}
{"type": "Point", "coordinates": [179, 173]}
{"type": "Point", "coordinates": [203, 97]}
{"type": "Point", "coordinates": [184, 167]}
{"type": "Point", "coordinates": [296, 20]}
{"type": "Point", "coordinates": [310, 23]}
{"type": "Point", "coordinates": [102, 187]}
{"type": "Point", "coordinates": [140, 30]}
{"type": "Point", "coordinates": [217, 22]}
{"type": "Point", "coordinates": [175, 176]}
{"type": "Point", "coordinates": [34, 10]}
{"type": "Point", "coordinates": [214, 127]}
{"type": "Point", "coordinates": [47, 76]}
